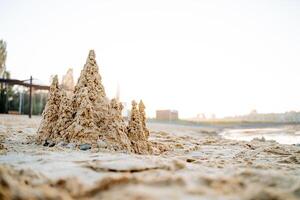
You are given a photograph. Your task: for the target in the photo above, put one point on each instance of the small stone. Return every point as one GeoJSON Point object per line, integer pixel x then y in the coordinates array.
{"type": "Point", "coordinates": [190, 160]}
{"type": "Point", "coordinates": [52, 144]}
{"type": "Point", "coordinates": [46, 143]}
{"type": "Point", "coordinates": [85, 147]}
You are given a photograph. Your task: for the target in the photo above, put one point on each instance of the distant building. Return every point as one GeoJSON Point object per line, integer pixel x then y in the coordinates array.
{"type": "Point", "coordinates": [167, 115]}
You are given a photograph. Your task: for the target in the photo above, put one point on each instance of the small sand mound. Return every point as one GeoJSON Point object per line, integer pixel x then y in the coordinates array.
{"type": "Point", "coordinates": [88, 116]}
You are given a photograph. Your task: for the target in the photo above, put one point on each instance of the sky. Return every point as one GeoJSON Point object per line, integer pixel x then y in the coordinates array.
{"type": "Point", "coordinates": [195, 56]}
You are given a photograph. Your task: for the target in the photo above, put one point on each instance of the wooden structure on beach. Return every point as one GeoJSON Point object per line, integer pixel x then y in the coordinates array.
{"type": "Point", "coordinates": [30, 85]}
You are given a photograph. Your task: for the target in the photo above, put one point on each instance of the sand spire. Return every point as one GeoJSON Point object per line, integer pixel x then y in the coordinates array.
{"type": "Point", "coordinates": [143, 118]}
{"type": "Point", "coordinates": [83, 128]}
{"type": "Point", "coordinates": [91, 79]}
{"type": "Point", "coordinates": [50, 113]}
{"type": "Point", "coordinates": [135, 127]}
{"type": "Point", "coordinates": [112, 126]}
{"type": "Point", "coordinates": [135, 132]}
{"type": "Point", "coordinates": [64, 115]}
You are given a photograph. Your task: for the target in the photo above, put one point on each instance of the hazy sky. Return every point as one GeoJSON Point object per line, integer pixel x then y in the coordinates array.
{"type": "Point", "coordinates": [222, 57]}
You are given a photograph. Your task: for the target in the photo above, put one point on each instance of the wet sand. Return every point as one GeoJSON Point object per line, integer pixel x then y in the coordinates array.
{"type": "Point", "coordinates": [283, 135]}
{"type": "Point", "coordinates": [200, 164]}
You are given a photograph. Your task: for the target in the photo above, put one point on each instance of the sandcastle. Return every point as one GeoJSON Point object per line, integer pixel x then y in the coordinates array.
{"type": "Point", "coordinates": [89, 117]}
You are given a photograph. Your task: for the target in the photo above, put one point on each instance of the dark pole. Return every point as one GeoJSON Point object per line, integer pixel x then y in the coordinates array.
{"type": "Point", "coordinates": [30, 97]}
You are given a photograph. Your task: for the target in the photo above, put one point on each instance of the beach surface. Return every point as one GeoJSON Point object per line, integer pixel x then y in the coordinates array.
{"type": "Point", "coordinates": [199, 163]}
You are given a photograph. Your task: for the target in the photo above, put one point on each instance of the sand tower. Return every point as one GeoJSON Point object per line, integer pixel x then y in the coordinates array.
{"type": "Point", "coordinates": [50, 113]}
{"type": "Point", "coordinates": [90, 79]}
{"type": "Point", "coordinates": [82, 129]}
{"type": "Point", "coordinates": [65, 113]}
{"type": "Point", "coordinates": [143, 118]}
{"type": "Point", "coordinates": [136, 133]}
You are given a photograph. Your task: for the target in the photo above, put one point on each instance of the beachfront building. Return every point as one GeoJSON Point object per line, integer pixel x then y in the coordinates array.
{"type": "Point", "coordinates": [168, 115]}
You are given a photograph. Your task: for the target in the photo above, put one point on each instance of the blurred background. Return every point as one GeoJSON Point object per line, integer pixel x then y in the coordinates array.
{"type": "Point", "coordinates": [200, 59]}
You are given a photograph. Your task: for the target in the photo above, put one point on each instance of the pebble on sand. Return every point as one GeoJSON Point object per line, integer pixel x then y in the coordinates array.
{"type": "Point", "coordinates": [85, 147]}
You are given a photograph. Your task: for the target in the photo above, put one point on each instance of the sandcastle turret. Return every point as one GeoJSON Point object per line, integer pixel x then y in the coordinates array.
{"type": "Point", "coordinates": [65, 117]}
{"type": "Point", "coordinates": [83, 128]}
{"type": "Point", "coordinates": [103, 116]}
{"type": "Point", "coordinates": [116, 127]}
{"type": "Point", "coordinates": [135, 128]}
{"type": "Point", "coordinates": [143, 118]}
{"type": "Point", "coordinates": [91, 79]}
{"type": "Point", "coordinates": [50, 113]}
{"type": "Point", "coordinates": [136, 133]}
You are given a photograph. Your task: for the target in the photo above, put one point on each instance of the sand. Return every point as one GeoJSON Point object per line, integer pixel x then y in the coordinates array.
{"type": "Point", "coordinates": [199, 164]}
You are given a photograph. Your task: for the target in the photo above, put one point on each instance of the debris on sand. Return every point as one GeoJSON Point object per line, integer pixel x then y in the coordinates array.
{"type": "Point", "coordinates": [87, 116]}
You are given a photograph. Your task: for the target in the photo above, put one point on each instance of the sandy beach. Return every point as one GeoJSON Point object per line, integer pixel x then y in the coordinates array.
{"type": "Point", "coordinates": [149, 100]}
{"type": "Point", "coordinates": [199, 164]}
